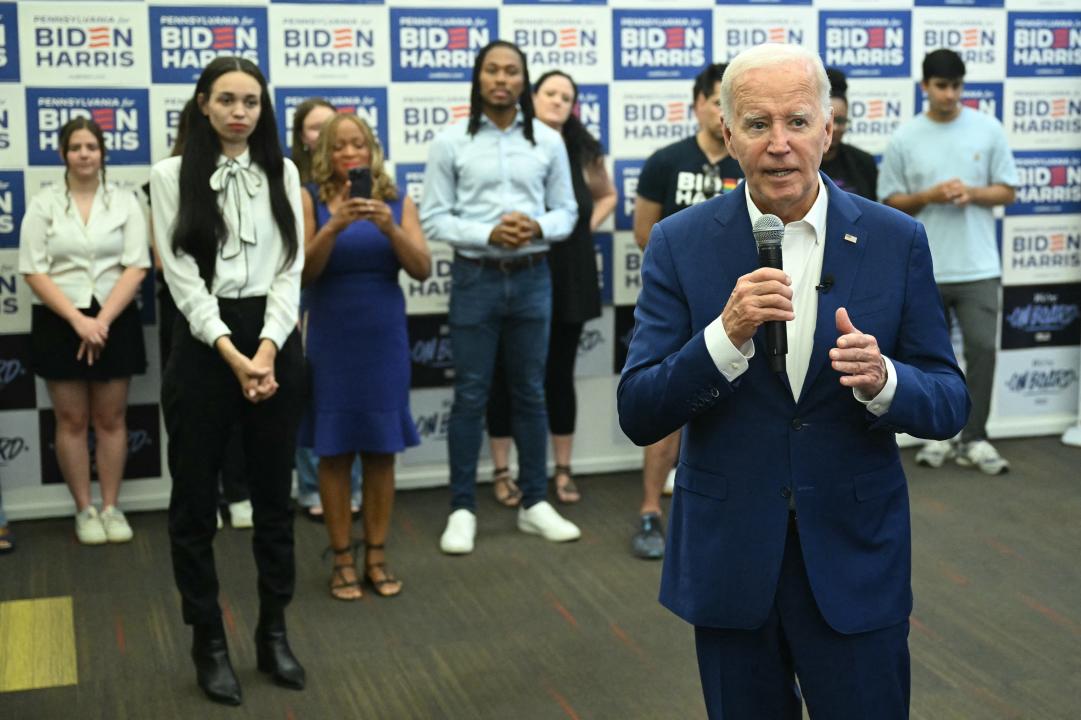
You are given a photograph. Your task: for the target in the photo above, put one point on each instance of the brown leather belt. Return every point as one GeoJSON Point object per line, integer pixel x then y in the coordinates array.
{"type": "Point", "coordinates": [507, 265]}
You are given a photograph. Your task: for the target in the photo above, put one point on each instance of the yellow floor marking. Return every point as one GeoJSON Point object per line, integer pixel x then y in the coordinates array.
{"type": "Point", "coordinates": [37, 644]}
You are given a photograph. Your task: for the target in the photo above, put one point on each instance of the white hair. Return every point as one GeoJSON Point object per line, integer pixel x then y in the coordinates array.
{"type": "Point", "coordinates": [769, 55]}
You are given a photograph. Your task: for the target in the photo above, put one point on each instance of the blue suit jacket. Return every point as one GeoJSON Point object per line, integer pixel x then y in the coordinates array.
{"type": "Point", "coordinates": [748, 444]}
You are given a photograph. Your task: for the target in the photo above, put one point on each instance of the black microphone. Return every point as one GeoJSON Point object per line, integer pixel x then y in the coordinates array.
{"type": "Point", "coordinates": [768, 234]}
{"type": "Point", "coordinates": [824, 286]}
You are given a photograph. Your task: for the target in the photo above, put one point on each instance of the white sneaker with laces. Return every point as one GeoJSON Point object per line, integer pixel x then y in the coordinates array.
{"type": "Point", "coordinates": [88, 527]}
{"type": "Point", "coordinates": [240, 514]}
{"type": "Point", "coordinates": [936, 452]}
{"type": "Point", "coordinates": [543, 519]}
{"type": "Point", "coordinates": [982, 454]}
{"type": "Point", "coordinates": [670, 482]}
{"type": "Point", "coordinates": [461, 530]}
{"type": "Point", "coordinates": [116, 525]}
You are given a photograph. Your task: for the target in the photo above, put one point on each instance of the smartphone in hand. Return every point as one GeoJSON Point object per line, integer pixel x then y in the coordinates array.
{"type": "Point", "coordinates": [360, 182]}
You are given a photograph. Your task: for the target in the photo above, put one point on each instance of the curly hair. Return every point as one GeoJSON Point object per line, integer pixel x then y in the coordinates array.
{"type": "Point", "coordinates": [383, 187]}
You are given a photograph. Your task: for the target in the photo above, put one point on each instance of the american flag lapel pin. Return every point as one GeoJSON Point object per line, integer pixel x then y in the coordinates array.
{"type": "Point", "coordinates": [850, 238]}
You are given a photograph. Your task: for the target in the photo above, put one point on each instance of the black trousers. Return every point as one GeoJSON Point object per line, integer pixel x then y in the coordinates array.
{"type": "Point", "coordinates": [202, 403]}
{"type": "Point", "coordinates": [559, 393]}
{"type": "Point", "coordinates": [234, 484]}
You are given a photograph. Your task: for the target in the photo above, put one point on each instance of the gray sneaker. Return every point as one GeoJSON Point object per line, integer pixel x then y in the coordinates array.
{"type": "Point", "coordinates": [648, 542]}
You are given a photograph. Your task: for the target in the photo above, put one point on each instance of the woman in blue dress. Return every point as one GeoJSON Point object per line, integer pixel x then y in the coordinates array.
{"type": "Point", "coordinates": [357, 344]}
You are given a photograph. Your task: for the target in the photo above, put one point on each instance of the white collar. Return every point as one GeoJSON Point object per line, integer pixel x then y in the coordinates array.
{"type": "Point", "coordinates": [815, 217]}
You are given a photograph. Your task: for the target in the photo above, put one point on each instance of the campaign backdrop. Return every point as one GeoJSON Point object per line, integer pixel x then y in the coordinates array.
{"type": "Point", "coordinates": [404, 66]}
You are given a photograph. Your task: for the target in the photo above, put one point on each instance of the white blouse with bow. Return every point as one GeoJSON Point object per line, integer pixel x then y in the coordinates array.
{"type": "Point", "coordinates": [249, 261]}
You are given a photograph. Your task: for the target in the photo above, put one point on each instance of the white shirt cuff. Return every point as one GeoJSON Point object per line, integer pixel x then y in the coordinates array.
{"type": "Point", "coordinates": [730, 360]}
{"type": "Point", "coordinates": [879, 405]}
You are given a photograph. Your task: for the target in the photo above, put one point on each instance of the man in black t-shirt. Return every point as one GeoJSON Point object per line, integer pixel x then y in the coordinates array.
{"type": "Point", "coordinates": [675, 177]}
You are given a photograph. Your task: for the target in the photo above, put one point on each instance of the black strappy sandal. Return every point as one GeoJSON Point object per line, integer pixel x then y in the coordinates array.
{"type": "Point", "coordinates": [567, 493]}
{"type": "Point", "coordinates": [338, 580]}
{"type": "Point", "coordinates": [506, 491]}
{"type": "Point", "coordinates": [379, 586]}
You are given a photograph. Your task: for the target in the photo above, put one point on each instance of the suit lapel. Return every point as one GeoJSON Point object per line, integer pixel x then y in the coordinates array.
{"type": "Point", "coordinates": [841, 261]}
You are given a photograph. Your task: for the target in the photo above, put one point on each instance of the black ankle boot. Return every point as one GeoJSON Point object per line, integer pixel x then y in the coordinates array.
{"type": "Point", "coordinates": [213, 671]}
{"type": "Point", "coordinates": [273, 654]}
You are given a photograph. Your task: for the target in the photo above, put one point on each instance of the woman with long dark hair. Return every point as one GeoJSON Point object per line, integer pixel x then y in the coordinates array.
{"type": "Point", "coordinates": [227, 218]}
{"type": "Point", "coordinates": [576, 295]}
{"type": "Point", "coordinates": [357, 344]}
{"type": "Point", "coordinates": [84, 253]}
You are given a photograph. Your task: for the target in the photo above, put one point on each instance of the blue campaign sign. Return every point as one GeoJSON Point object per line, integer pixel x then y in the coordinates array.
{"type": "Point", "coordinates": [184, 39]}
{"type": "Point", "coordinates": [627, 172]}
{"type": "Point", "coordinates": [1050, 182]}
{"type": "Point", "coordinates": [410, 180]}
{"type": "Point", "coordinates": [602, 244]}
{"type": "Point", "coordinates": [985, 97]}
{"type": "Point", "coordinates": [1043, 44]}
{"type": "Point", "coordinates": [9, 43]}
{"type": "Point", "coordinates": [866, 44]}
{"type": "Point", "coordinates": [12, 207]}
{"type": "Point", "coordinates": [592, 110]}
{"type": "Point", "coordinates": [661, 44]}
{"type": "Point", "coordinates": [438, 45]}
{"type": "Point", "coordinates": [122, 114]}
{"type": "Point", "coordinates": [369, 104]}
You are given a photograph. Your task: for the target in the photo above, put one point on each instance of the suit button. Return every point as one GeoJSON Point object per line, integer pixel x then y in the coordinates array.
{"type": "Point", "coordinates": [786, 492]}
{"type": "Point", "coordinates": [797, 424]}
{"type": "Point", "coordinates": [715, 392]}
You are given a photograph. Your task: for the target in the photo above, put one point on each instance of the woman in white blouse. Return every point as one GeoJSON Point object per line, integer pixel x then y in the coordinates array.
{"type": "Point", "coordinates": [83, 250]}
{"type": "Point", "coordinates": [227, 224]}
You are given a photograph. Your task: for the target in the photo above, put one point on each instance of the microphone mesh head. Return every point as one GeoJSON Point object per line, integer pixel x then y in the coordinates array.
{"type": "Point", "coordinates": [768, 230]}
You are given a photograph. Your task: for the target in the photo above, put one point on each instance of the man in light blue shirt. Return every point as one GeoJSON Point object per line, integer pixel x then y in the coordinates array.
{"type": "Point", "coordinates": [948, 167]}
{"type": "Point", "coordinates": [498, 189]}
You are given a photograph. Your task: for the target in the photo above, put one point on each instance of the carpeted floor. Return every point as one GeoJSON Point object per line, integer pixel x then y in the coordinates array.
{"type": "Point", "coordinates": [525, 629]}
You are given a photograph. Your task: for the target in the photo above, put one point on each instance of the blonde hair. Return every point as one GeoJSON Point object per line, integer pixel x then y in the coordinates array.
{"type": "Point", "coordinates": [383, 188]}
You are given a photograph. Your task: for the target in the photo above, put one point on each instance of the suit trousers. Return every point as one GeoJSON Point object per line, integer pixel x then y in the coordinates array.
{"type": "Point", "coordinates": [202, 403]}
{"type": "Point", "coordinates": [751, 674]}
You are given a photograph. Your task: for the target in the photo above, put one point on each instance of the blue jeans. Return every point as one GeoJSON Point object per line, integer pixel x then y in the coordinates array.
{"type": "Point", "coordinates": [491, 309]}
{"type": "Point", "coordinates": [308, 478]}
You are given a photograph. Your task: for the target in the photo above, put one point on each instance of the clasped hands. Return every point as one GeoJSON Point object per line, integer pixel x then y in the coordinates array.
{"type": "Point", "coordinates": [515, 229]}
{"type": "Point", "coordinates": [255, 374]}
{"type": "Point", "coordinates": [93, 333]}
{"type": "Point", "coordinates": [949, 192]}
{"type": "Point", "coordinates": [765, 295]}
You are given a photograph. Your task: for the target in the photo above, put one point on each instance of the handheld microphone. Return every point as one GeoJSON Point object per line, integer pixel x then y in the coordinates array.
{"type": "Point", "coordinates": [824, 286]}
{"type": "Point", "coordinates": [768, 234]}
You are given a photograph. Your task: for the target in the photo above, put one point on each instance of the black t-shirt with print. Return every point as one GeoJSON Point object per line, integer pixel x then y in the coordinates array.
{"type": "Point", "coordinates": [679, 175]}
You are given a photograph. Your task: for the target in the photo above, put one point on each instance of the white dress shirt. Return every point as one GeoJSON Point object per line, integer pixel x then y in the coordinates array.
{"type": "Point", "coordinates": [84, 259]}
{"type": "Point", "coordinates": [249, 260]}
{"type": "Point", "coordinates": [803, 248]}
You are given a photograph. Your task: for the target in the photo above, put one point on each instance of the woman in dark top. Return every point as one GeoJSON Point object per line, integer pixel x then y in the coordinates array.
{"type": "Point", "coordinates": [575, 293]}
{"type": "Point", "coordinates": [850, 168]}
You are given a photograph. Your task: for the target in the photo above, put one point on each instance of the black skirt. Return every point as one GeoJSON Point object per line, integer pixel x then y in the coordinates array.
{"type": "Point", "coordinates": [54, 343]}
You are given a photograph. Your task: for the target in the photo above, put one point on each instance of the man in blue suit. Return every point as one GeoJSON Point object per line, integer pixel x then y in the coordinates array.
{"type": "Point", "coordinates": [789, 545]}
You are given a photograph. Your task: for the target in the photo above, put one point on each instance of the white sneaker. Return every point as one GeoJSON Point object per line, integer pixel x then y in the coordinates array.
{"type": "Point", "coordinates": [542, 519]}
{"type": "Point", "coordinates": [461, 530]}
{"type": "Point", "coordinates": [670, 482]}
{"type": "Point", "coordinates": [936, 452]}
{"type": "Point", "coordinates": [983, 455]}
{"type": "Point", "coordinates": [88, 527]}
{"type": "Point", "coordinates": [240, 514]}
{"type": "Point", "coordinates": [116, 525]}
